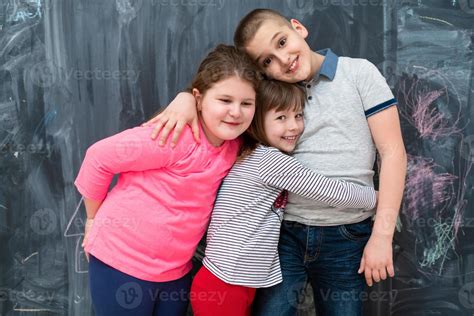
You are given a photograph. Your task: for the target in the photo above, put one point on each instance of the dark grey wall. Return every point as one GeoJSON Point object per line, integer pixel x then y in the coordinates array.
{"type": "Point", "coordinates": [72, 72]}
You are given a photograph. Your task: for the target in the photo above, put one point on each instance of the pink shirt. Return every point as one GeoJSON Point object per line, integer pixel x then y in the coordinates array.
{"type": "Point", "coordinates": [151, 222]}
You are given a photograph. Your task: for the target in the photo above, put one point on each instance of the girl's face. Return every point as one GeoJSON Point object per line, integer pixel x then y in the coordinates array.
{"type": "Point", "coordinates": [226, 109]}
{"type": "Point", "coordinates": [283, 128]}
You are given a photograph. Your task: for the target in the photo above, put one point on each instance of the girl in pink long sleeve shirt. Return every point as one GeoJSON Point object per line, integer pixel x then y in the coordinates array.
{"type": "Point", "coordinates": [142, 234]}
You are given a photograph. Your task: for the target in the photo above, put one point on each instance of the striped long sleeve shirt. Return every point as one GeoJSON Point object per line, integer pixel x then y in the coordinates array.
{"type": "Point", "coordinates": [242, 239]}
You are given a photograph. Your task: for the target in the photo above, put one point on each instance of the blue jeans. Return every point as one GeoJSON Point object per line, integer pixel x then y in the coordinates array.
{"type": "Point", "coordinates": [328, 257]}
{"type": "Point", "coordinates": [116, 293]}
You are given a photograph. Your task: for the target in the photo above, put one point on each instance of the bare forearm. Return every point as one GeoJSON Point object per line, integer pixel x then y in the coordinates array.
{"type": "Point", "coordinates": [92, 206]}
{"type": "Point", "coordinates": [392, 183]}
{"type": "Point", "coordinates": [377, 260]}
{"type": "Point", "coordinates": [180, 112]}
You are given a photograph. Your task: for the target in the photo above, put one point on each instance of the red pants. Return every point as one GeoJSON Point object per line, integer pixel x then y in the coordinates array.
{"type": "Point", "coordinates": [210, 296]}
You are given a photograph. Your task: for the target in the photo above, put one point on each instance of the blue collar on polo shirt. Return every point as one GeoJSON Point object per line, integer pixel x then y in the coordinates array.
{"type": "Point", "coordinates": [328, 67]}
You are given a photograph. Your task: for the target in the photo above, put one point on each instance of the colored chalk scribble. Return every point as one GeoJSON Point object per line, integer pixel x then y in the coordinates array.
{"type": "Point", "coordinates": [435, 194]}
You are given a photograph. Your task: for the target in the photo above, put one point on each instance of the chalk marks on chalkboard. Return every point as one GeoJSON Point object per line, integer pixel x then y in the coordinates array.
{"type": "Point", "coordinates": [443, 238]}
{"type": "Point", "coordinates": [434, 199]}
{"type": "Point", "coordinates": [8, 130]}
{"type": "Point", "coordinates": [429, 188]}
{"type": "Point", "coordinates": [421, 112]}
{"type": "Point", "coordinates": [70, 228]}
{"type": "Point", "coordinates": [75, 229]}
{"type": "Point", "coordinates": [80, 264]}
{"type": "Point", "coordinates": [128, 9]}
{"type": "Point", "coordinates": [433, 84]}
{"type": "Point", "coordinates": [131, 92]}
{"type": "Point", "coordinates": [429, 199]}
{"type": "Point", "coordinates": [21, 10]}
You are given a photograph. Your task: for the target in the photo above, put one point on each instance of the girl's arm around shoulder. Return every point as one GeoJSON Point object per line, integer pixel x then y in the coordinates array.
{"type": "Point", "coordinates": [285, 172]}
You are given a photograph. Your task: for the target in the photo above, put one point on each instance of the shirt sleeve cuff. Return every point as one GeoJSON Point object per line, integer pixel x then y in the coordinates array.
{"type": "Point", "coordinates": [85, 193]}
{"type": "Point", "coordinates": [380, 107]}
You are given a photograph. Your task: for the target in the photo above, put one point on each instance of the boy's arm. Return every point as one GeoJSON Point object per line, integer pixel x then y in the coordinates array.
{"type": "Point", "coordinates": [384, 124]}
{"type": "Point", "coordinates": [285, 172]}
{"type": "Point", "coordinates": [377, 257]}
{"type": "Point", "coordinates": [181, 111]}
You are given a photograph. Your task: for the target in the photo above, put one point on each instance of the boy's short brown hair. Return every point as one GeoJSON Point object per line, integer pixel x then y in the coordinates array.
{"type": "Point", "coordinates": [251, 23]}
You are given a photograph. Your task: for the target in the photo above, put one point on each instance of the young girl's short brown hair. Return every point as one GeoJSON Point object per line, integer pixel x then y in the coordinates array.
{"type": "Point", "coordinates": [271, 94]}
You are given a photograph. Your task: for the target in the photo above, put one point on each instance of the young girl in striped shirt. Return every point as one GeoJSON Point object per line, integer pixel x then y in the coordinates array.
{"type": "Point", "coordinates": [242, 239]}
{"type": "Point", "coordinates": [141, 235]}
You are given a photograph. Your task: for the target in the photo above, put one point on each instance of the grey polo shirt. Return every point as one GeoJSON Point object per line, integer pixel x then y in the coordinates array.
{"type": "Point", "coordinates": [337, 141]}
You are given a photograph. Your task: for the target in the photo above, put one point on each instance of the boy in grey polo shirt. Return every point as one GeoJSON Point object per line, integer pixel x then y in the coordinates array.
{"type": "Point", "coordinates": [348, 116]}
{"type": "Point", "coordinates": [336, 122]}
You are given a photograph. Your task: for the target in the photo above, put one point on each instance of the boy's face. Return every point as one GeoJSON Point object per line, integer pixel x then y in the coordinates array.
{"type": "Point", "coordinates": [282, 52]}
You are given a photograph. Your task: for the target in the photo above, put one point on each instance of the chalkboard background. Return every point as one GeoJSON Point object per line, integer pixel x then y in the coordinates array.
{"type": "Point", "coordinates": [73, 72]}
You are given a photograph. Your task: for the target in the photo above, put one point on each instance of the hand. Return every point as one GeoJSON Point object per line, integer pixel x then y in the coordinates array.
{"type": "Point", "coordinates": [181, 111]}
{"type": "Point", "coordinates": [377, 259]}
{"type": "Point", "coordinates": [88, 226]}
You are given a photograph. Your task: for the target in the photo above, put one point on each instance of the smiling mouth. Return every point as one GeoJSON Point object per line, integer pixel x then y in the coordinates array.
{"type": "Point", "coordinates": [290, 138]}
{"type": "Point", "coordinates": [294, 65]}
{"type": "Point", "coordinates": [233, 123]}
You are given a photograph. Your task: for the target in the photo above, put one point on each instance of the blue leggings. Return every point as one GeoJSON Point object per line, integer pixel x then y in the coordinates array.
{"type": "Point", "coordinates": [116, 293]}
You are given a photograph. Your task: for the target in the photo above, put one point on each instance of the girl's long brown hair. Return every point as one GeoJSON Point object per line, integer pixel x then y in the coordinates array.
{"type": "Point", "coordinates": [223, 62]}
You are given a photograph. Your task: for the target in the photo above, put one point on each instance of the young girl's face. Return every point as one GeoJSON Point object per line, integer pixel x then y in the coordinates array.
{"type": "Point", "coordinates": [283, 128]}
{"type": "Point", "coordinates": [226, 109]}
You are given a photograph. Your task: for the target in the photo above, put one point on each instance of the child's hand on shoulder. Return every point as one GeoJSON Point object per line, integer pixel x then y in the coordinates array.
{"type": "Point", "coordinates": [180, 112]}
